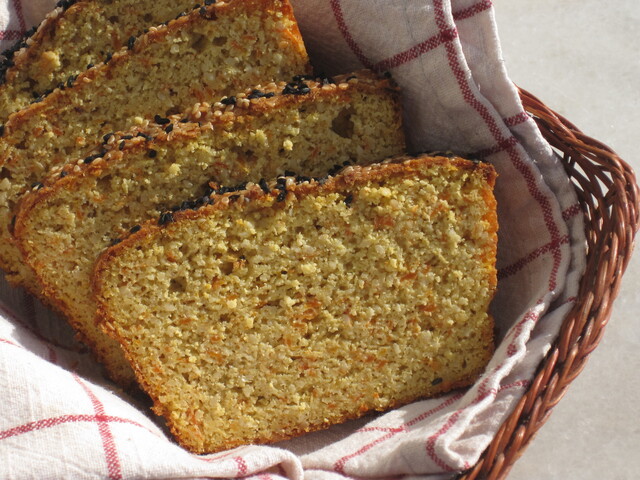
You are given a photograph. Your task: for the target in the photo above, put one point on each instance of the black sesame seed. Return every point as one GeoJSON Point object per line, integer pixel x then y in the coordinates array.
{"type": "Point", "coordinates": [90, 66]}
{"type": "Point", "coordinates": [13, 222]}
{"type": "Point", "coordinates": [281, 196]}
{"type": "Point", "coordinates": [63, 174]}
{"type": "Point", "coordinates": [348, 200]}
{"type": "Point", "coordinates": [264, 186]}
{"type": "Point", "coordinates": [115, 241]}
{"type": "Point", "coordinates": [208, 190]}
{"type": "Point", "coordinates": [209, 2]}
{"type": "Point", "coordinates": [131, 42]}
{"type": "Point", "coordinates": [121, 146]}
{"type": "Point", "coordinates": [233, 198]}
{"type": "Point", "coordinates": [351, 77]}
{"type": "Point", "coordinates": [281, 181]}
{"type": "Point", "coordinates": [165, 217]}
{"type": "Point", "coordinates": [203, 11]}
{"type": "Point", "coordinates": [289, 173]}
{"type": "Point", "coordinates": [175, 208]}
{"type": "Point", "coordinates": [436, 381]}
{"type": "Point", "coordinates": [148, 138]}
{"type": "Point", "coordinates": [135, 228]}
{"type": "Point", "coordinates": [228, 101]}
{"type": "Point", "coordinates": [1, 130]}
{"type": "Point", "coordinates": [71, 80]}
{"type": "Point", "coordinates": [161, 120]}
{"type": "Point", "coordinates": [152, 154]}
{"type": "Point", "coordinates": [180, 15]}
{"type": "Point", "coordinates": [106, 138]}
{"type": "Point", "coordinates": [127, 137]}
{"type": "Point", "coordinates": [37, 185]}
{"type": "Point", "coordinates": [169, 128]}
{"type": "Point", "coordinates": [108, 57]}
{"type": "Point", "coordinates": [90, 159]}
{"type": "Point", "coordinates": [184, 120]}
{"type": "Point", "coordinates": [302, 179]}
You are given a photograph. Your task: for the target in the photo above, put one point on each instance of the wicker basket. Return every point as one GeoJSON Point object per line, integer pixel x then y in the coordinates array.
{"type": "Point", "coordinates": [608, 193]}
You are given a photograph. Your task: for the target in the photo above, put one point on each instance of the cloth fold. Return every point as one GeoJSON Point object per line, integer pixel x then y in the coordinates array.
{"type": "Point", "coordinates": [60, 419]}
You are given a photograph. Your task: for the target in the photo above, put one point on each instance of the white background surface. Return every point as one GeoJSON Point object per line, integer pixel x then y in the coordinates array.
{"type": "Point", "coordinates": [582, 59]}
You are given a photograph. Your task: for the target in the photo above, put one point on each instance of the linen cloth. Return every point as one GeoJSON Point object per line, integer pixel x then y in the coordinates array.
{"type": "Point", "coordinates": [59, 418]}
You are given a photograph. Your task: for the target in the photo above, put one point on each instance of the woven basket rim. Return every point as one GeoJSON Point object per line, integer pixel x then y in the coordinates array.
{"type": "Point", "coordinates": [608, 195]}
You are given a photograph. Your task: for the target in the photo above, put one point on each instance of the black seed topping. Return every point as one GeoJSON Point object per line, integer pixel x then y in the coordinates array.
{"type": "Point", "coordinates": [296, 88]}
{"type": "Point", "coordinates": [108, 58]}
{"type": "Point", "coordinates": [264, 186]}
{"type": "Point", "coordinates": [184, 120]}
{"type": "Point", "coordinates": [436, 381]}
{"type": "Point", "coordinates": [335, 169]}
{"type": "Point", "coordinates": [71, 80]}
{"type": "Point", "coordinates": [302, 179]}
{"type": "Point", "coordinates": [351, 77]}
{"type": "Point", "coordinates": [327, 81]}
{"type": "Point", "coordinates": [181, 14]}
{"type": "Point", "coordinates": [281, 196]}
{"type": "Point", "coordinates": [165, 218]}
{"type": "Point", "coordinates": [131, 42]}
{"type": "Point", "coordinates": [203, 11]}
{"type": "Point", "coordinates": [106, 138]}
{"type": "Point", "coordinates": [115, 241]}
{"type": "Point", "coordinates": [208, 190]}
{"type": "Point", "coordinates": [233, 198]}
{"type": "Point", "coordinates": [289, 173]}
{"type": "Point", "coordinates": [90, 66]}
{"type": "Point", "coordinates": [387, 74]}
{"type": "Point", "coordinates": [37, 185]}
{"type": "Point", "coordinates": [63, 174]}
{"type": "Point", "coordinates": [1, 130]}
{"type": "Point", "coordinates": [13, 222]}
{"type": "Point", "coordinates": [121, 146]}
{"type": "Point", "coordinates": [91, 158]}
{"type": "Point", "coordinates": [259, 94]}
{"type": "Point", "coordinates": [148, 138]}
{"type": "Point", "coordinates": [152, 154]}
{"type": "Point", "coordinates": [135, 228]}
{"type": "Point", "coordinates": [281, 181]}
{"type": "Point", "coordinates": [348, 199]}
{"type": "Point", "coordinates": [161, 120]}
{"type": "Point", "coordinates": [127, 137]}
{"type": "Point", "coordinates": [169, 128]}
{"type": "Point", "coordinates": [209, 2]}
{"type": "Point", "coordinates": [228, 101]}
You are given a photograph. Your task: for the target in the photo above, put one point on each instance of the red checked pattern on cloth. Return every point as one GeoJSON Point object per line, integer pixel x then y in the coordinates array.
{"type": "Point", "coordinates": [60, 419]}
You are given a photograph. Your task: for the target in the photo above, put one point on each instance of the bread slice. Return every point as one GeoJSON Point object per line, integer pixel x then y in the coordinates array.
{"type": "Point", "coordinates": [264, 316]}
{"type": "Point", "coordinates": [217, 50]}
{"type": "Point", "coordinates": [73, 36]}
{"type": "Point", "coordinates": [63, 226]}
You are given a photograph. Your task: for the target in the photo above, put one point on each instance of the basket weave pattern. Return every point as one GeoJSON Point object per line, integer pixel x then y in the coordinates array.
{"type": "Point", "coordinates": [608, 194]}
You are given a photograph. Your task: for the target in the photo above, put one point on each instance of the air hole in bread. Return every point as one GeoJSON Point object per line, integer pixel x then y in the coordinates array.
{"type": "Point", "coordinates": [342, 124]}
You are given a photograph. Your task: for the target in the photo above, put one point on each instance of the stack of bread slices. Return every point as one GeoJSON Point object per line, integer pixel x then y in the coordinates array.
{"type": "Point", "coordinates": [243, 240]}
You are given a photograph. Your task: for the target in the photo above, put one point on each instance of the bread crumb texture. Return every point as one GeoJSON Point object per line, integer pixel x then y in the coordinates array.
{"type": "Point", "coordinates": [196, 58]}
{"type": "Point", "coordinates": [63, 227]}
{"type": "Point", "coordinates": [68, 42]}
{"type": "Point", "coordinates": [256, 320]}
